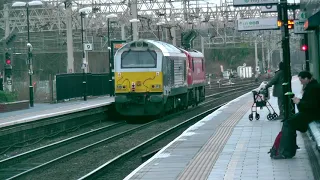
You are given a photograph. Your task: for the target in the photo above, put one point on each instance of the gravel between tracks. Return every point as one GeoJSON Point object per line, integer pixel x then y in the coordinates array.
{"type": "Point", "coordinates": [78, 166]}
{"type": "Point", "coordinates": [55, 153]}
{"type": "Point", "coordinates": [63, 135]}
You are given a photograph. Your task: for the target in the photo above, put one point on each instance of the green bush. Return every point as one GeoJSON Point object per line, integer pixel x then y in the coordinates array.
{"type": "Point", "coordinates": [7, 97]}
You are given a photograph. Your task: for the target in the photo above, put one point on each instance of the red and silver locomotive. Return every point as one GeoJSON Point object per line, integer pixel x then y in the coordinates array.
{"type": "Point", "coordinates": [154, 77]}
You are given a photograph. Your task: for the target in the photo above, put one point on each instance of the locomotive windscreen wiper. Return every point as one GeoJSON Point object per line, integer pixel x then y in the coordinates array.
{"type": "Point", "coordinates": [154, 58]}
{"type": "Point", "coordinates": [122, 57]}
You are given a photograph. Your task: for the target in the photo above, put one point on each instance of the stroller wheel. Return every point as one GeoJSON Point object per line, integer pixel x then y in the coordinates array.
{"type": "Point", "coordinates": [257, 116]}
{"type": "Point", "coordinates": [275, 115]}
{"type": "Point", "coordinates": [269, 116]}
{"type": "Point", "coordinates": [251, 117]}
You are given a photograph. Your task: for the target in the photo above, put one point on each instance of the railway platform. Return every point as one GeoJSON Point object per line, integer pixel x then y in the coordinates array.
{"type": "Point", "coordinates": [227, 145]}
{"type": "Point", "coordinates": [44, 111]}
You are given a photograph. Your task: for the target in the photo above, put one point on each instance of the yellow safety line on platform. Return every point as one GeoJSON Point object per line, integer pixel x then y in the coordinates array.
{"type": "Point", "coordinates": [234, 161]}
{"type": "Point", "coordinates": [204, 161]}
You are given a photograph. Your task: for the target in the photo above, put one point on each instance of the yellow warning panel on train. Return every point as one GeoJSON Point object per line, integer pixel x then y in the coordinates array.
{"type": "Point", "coordinates": [138, 82]}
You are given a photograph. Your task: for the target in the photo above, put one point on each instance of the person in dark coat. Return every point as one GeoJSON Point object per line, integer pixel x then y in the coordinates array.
{"type": "Point", "coordinates": [309, 110]}
{"type": "Point", "coordinates": [308, 105]}
{"type": "Point", "coordinates": [277, 81]}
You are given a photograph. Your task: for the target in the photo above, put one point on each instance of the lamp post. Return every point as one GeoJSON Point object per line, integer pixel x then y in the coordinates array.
{"type": "Point", "coordinates": [83, 12]}
{"type": "Point", "coordinates": [159, 24]}
{"type": "Point", "coordinates": [29, 46]}
{"type": "Point", "coordinates": [111, 63]}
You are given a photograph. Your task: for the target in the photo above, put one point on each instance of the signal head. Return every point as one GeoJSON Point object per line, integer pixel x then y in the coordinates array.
{"type": "Point", "coordinates": [8, 61]}
{"type": "Point", "coordinates": [304, 47]}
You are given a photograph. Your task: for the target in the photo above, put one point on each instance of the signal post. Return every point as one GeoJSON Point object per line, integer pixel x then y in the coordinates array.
{"type": "Point", "coordinates": [305, 48]}
{"type": "Point", "coordinates": [287, 90]}
{"type": "Point", "coordinates": [8, 72]}
{"type": "Point", "coordinates": [8, 62]}
{"type": "Point", "coordinates": [289, 107]}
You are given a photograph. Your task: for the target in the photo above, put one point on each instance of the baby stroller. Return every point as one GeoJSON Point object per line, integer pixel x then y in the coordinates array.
{"type": "Point", "coordinates": [260, 99]}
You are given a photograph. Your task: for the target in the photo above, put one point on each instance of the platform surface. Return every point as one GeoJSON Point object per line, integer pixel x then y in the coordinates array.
{"type": "Point", "coordinates": [226, 145]}
{"type": "Point", "coordinates": [40, 111]}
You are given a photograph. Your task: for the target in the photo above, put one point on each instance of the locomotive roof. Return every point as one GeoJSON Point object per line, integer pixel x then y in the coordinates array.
{"type": "Point", "coordinates": [167, 49]}
{"type": "Point", "coordinates": [194, 53]}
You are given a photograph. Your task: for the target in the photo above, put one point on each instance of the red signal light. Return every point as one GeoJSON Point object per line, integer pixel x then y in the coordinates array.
{"type": "Point", "coordinates": [8, 61]}
{"type": "Point", "coordinates": [304, 47]}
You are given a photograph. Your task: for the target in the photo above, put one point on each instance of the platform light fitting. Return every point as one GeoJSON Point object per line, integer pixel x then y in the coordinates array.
{"type": "Point", "coordinates": [109, 16]}
{"type": "Point", "coordinates": [85, 10]}
{"type": "Point", "coordinates": [31, 3]}
{"type": "Point", "coordinates": [134, 20]}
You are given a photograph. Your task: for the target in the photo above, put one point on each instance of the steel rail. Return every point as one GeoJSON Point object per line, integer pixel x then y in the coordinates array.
{"type": "Point", "coordinates": [112, 138]}
{"type": "Point", "coordinates": [96, 173]}
{"type": "Point", "coordinates": [19, 157]}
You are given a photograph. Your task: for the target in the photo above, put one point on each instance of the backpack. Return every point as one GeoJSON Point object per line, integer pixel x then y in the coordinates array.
{"type": "Point", "coordinates": [274, 151]}
{"type": "Point", "coordinates": [285, 143]}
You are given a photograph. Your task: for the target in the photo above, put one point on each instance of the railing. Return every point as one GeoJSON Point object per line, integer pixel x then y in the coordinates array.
{"type": "Point", "coordinates": [70, 86]}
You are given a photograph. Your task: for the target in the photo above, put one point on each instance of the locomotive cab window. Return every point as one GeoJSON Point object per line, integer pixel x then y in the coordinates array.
{"type": "Point", "coordinates": [193, 64]}
{"type": "Point", "coordinates": [190, 63]}
{"type": "Point", "coordinates": [139, 59]}
{"type": "Point", "coordinates": [202, 61]}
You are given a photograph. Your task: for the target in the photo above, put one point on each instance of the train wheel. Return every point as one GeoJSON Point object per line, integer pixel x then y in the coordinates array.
{"type": "Point", "coordinates": [162, 114]}
{"type": "Point", "coordinates": [198, 97]}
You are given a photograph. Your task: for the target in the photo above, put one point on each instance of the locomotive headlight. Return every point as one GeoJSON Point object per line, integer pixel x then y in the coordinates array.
{"type": "Point", "coordinates": [156, 86]}
{"type": "Point", "coordinates": [119, 86]}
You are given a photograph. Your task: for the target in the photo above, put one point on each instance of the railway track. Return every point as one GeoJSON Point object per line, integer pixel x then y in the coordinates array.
{"type": "Point", "coordinates": [105, 171]}
{"type": "Point", "coordinates": [237, 80]}
{"type": "Point", "coordinates": [227, 83]}
{"type": "Point", "coordinates": [215, 87]}
{"type": "Point", "coordinates": [32, 162]}
{"type": "Point", "coordinates": [223, 88]}
{"type": "Point", "coordinates": [99, 173]}
{"type": "Point", "coordinates": [20, 147]}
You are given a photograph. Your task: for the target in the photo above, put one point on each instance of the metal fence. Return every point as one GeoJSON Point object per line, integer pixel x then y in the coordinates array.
{"type": "Point", "coordinates": [70, 86]}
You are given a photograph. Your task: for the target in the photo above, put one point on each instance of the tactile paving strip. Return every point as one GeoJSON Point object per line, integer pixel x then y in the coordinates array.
{"type": "Point", "coordinates": [202, 164]}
